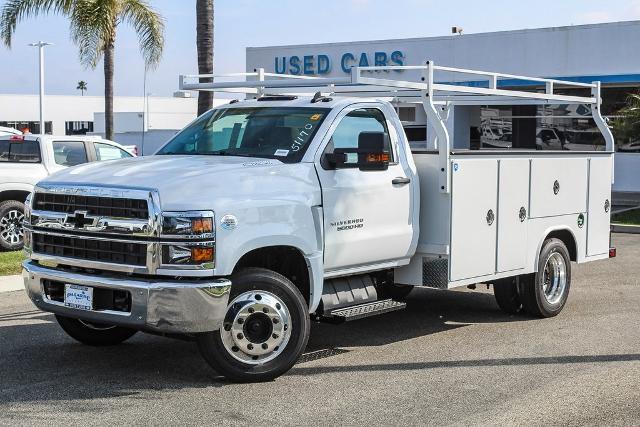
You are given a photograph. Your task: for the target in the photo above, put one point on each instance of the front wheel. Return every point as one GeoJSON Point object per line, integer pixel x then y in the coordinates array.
{"type": "Point", "coordinates": [264, 332]}
{"type": "Point", "coordinates": [94, 334]}
{"type": "Point", "coordinates": [11, 231]}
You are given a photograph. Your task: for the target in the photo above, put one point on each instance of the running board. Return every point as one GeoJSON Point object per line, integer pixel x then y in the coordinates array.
{"type": "Point", "coordinates": [361, 311]}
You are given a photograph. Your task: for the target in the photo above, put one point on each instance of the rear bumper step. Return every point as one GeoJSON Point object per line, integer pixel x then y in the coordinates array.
{"type": "Point", "coordinates": [361, 311]}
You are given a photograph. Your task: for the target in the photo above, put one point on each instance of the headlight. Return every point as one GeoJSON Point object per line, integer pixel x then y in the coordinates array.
{"type": "Point", "coordinates": [195, 225]}
{"type": "Point", "coordinates": [188, 239]}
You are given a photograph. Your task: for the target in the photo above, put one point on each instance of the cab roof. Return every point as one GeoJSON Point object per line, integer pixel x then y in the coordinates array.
{"type": "Point", "coordinates": [328, 102]}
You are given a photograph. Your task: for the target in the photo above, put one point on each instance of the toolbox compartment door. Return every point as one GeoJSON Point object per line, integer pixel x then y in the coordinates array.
{"type": "Point", "coordinates": [513, 214]}
{"type": "Point", "coordinates": [598, 215]}
{"type": "Point", "coordinates": [474, 185]}
{"type": "Point", "coordinates": [558, 186]}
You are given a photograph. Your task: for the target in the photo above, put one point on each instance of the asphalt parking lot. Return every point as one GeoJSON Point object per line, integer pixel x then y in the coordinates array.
{"type": "Point", "coordinates": [449, 358]}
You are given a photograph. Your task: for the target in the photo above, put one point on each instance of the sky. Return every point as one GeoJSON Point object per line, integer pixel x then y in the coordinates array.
{"type": "Point", "coordinates": [243, 23]}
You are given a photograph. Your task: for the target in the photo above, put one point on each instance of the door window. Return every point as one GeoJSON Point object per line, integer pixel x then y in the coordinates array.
{"type": "Point", "coordinates": [69, 153]}
{"type": "Point", "coordinates": [109, 152]}
{"type": "Point", "coordinates": [358, 121]}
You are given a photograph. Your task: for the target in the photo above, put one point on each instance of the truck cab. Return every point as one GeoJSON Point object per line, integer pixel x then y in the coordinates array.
{"type": "Point", "coordinates": [265, 213]}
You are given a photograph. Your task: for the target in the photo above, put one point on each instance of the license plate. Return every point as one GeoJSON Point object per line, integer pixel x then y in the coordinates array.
{"type": "Point", "coordinates": [77, 296]}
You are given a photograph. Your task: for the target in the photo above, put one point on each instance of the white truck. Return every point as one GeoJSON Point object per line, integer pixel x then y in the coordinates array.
{"type": "Point", "coordinates": [26, 159]}
{"type": "Point", "coordinates": [265, 213]}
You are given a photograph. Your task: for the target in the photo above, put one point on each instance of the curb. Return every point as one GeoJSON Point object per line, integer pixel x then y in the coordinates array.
{"type": "Point", "coordinates": [11, 283]}
{"type": "Point", "coordinates": [624, 228]}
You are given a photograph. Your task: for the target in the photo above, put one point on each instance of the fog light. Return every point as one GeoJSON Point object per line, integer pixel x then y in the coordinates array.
{"type": "Point", "coordinates": [188, 255]}
{"type": "Point", "coordinates": [201, 255]}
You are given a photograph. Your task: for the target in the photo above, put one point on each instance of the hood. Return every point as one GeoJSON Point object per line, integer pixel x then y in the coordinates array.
{"type": "Point", "coordinates": [197, 182]}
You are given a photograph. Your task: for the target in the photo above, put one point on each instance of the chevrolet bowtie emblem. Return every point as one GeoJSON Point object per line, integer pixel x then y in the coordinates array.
{"type": "Point", "coordinates": [79, 219]}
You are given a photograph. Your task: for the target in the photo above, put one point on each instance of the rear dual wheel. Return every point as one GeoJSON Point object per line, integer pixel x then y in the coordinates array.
{"type": "Point", "coordinates": [544, 293]}
{"type": "Point", "coordinates": [265, 330]}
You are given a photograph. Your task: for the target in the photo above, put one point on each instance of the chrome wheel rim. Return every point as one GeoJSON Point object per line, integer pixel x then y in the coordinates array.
{"type": "Point", "coordinates": [11, 227]}
{"type": "Point", "coordinates": [257, 327]}
{"type": "Point", "coordinates": [554, 278]}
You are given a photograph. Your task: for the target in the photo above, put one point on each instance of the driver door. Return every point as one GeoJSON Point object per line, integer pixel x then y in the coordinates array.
{"type": "Point", "coordinates": [367, 213]}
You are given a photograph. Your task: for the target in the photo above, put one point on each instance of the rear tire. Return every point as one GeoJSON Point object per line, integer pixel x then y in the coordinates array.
{"type": "Point", "coordinates": [265, 331]}
{"type": "Point", "coordinates": [94, 334]}
{"type": "Point", "coordinates": [545, 293]}
{"type": "Point", "coordinates": [507, 296]}
{"type": "Point", "coordinates": [11, 229]}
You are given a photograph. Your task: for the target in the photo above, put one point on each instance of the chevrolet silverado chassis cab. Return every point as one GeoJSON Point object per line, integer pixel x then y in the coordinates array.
{"type": "Point", "coordinates": [265, 213]}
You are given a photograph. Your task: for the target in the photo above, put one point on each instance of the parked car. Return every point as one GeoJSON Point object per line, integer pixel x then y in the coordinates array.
{"type": "Point", "coordinates": [9, 131]}
{"type": "Point", "coordinates": [26, 159]}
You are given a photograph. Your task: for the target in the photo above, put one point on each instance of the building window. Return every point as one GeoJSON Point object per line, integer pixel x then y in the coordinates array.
{"type": "Point", "coordinates": [78, 128]}
{"type": "Point", "coordinates": [26, 126]}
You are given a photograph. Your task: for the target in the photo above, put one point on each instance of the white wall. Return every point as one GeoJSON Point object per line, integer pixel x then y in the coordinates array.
{"type": "Point", "coordinates": [170, 112]}
{"type": "Point", "coordinates": [627, 172]}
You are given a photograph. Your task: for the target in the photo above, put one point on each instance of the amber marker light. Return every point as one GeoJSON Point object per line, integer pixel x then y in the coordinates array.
{"type": "Point", "coordinates": [202, 225]}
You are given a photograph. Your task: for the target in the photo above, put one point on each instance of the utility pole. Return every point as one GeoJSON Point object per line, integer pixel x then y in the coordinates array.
{"type": "Point", "coordinates": [40, 45]}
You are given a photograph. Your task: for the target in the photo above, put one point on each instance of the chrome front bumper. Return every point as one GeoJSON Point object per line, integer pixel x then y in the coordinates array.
{"type": "Point", "coordinates": [184, 306]}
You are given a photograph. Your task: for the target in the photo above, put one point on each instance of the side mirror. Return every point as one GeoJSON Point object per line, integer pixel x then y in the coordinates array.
{"type": "Point", "coordinates": [371, 151]}
{"type": "Point", "coordinates": [370, 154]}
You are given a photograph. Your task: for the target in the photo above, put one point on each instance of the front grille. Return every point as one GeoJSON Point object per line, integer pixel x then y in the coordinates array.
{"type": "Point", "coordinates": [98, 206]}
{"type": "Point", "coordinates": [91, 250]}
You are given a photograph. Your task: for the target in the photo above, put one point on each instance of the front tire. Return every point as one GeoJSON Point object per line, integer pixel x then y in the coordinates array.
{"type": "Point", "coordinates": [545, 293]}
{"type": "Point", "coordinates": [265, 330]}
{"type": "Point", "coordinates": [94, 334]}
{"type": "Point", "coordinates": [11, 230]}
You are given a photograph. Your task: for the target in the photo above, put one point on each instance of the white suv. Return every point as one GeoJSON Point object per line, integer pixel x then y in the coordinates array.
{"type": "Point", "coordinates": [27, 159]}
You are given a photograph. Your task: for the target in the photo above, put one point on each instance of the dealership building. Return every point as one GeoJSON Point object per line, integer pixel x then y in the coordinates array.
{"type": "Point", "coordinates": [583, 53]}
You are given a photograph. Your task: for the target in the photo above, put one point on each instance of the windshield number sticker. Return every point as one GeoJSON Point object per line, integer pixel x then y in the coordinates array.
{"type": "Point", "coordinates": [301, 138]}
{"type": "Point", "coordinates": [281, 153]}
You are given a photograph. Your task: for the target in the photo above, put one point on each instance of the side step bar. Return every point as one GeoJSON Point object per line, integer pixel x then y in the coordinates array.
{"type": "Point", "coordinates": [360, 311]}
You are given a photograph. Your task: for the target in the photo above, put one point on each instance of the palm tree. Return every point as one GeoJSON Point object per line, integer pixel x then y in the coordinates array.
{"type": "Point", "coordinates": [82, 86]}
{"type": "Point", "coordinates": [204, 44]}
{"type": "Point", "coordinates": [93, 26]}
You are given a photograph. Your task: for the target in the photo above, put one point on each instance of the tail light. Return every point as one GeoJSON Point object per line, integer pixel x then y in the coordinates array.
{"type": "Point", "coordinates": [612, 252]}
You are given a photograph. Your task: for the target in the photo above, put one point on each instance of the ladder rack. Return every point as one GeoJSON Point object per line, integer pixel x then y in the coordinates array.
{"type": "Point", "coordinates": [391, 82]}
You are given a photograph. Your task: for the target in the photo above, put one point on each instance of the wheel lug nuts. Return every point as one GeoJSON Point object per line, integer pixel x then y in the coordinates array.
{"type": "Point", "coordinates": [275, 321]}
{"type": "Point", "coordinates": [274, 336]}
{"type": "Point", "coordinates": [250, 310]}
{"type": "Point", "coordinates": [250, 346]}
{"type": "Point", "coordinates": [241, 321]}
{"type": "Point", "coordinates": [265, 310]}
{"type": "Point", "coordinates": [240, 336]}
{"type": "Point", "coordinates": [264, 346]}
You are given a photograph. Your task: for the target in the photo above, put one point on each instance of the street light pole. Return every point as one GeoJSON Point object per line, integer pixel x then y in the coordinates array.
{"type": "Point", "coordinates": [41, 46]}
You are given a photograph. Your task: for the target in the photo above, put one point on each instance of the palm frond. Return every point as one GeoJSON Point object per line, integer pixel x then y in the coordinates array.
{"type": "Point", "coordinates": [93, 28]}
{"type": "Point", "coordinates": [148, 25]}
{"type": "Point", "coordinates": [14, 11]}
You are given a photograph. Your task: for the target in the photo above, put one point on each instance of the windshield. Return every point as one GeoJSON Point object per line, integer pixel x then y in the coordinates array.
{"type": "Point", "coordinates": [269, 132]}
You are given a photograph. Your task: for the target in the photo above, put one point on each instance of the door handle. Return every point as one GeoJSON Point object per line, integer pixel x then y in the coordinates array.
{"type": "Point", "coordinates": [400, 181]}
